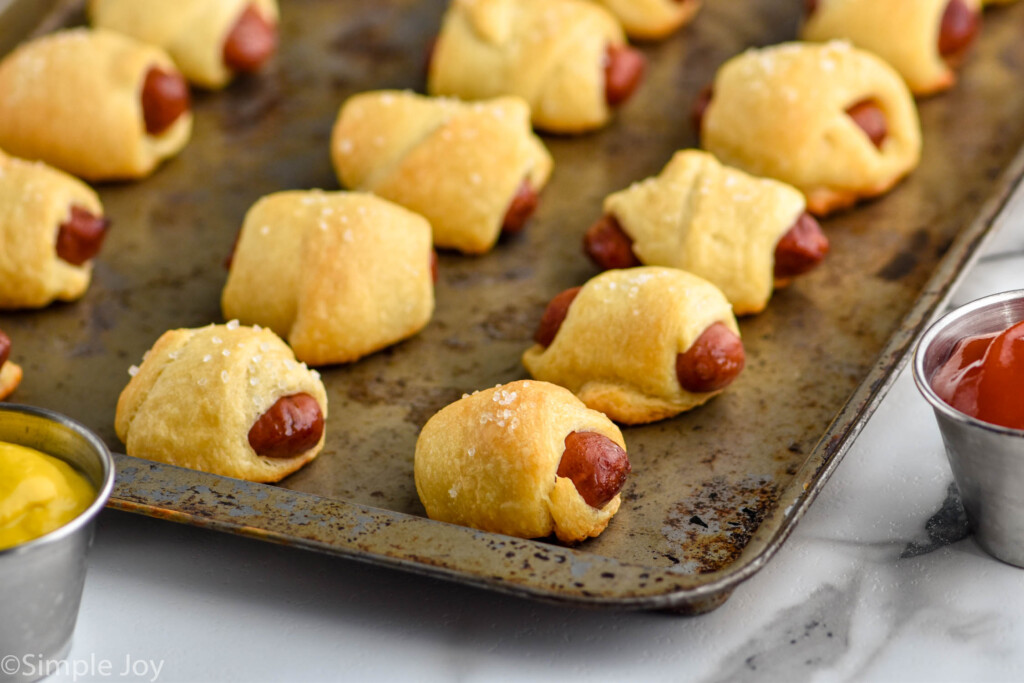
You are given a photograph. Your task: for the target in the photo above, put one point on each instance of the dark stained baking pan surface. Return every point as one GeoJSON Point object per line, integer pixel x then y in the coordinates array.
{"type": "Point", "coordinates": [713, 493]}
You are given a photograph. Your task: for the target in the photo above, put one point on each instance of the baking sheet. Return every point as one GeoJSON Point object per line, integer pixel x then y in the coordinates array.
{"type": "Point", "coordinates": [713, 493]}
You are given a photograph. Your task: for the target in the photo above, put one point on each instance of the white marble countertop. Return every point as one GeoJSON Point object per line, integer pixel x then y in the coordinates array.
{"type": "Point", "coordinates": [881, 581]}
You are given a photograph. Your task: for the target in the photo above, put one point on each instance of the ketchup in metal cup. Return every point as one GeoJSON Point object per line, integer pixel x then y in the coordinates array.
{"type": "Point", "coordinates": [984, 377]}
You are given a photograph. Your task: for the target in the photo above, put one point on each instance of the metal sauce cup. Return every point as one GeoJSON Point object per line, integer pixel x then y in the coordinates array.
{"type": "Point", "coordinates": [987, 460]}
{"type": "Point", "coordinates": [41, 580]}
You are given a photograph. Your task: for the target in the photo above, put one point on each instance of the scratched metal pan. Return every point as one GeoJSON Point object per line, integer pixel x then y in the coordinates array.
{"type": "Point", "coordinates": [713, 494]}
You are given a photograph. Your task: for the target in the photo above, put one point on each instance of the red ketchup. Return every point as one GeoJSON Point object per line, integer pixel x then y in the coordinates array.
{"type": "Point", "coordinates": [984, 377]}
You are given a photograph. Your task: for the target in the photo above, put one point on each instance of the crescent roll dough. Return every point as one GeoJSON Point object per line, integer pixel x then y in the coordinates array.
{"type": "Point", "coordinates": [617, 347]}
{"type": "Point", "coordinates": [905, 34]}
{"type": "Point", "coordinates": [10, 377]}
{"type": "Point", "coordinates": [710, 220]}
{"type": "Point", "coordinates": [457, 164]}
{"type": "Point", "coordinates": [337, 274]}
{"type": "Point", "coordinates": [199, 392]}
{"type": "Point", "coordinates": [191, 31]}
{"type": "Point", "coordinates": [780, 112]}
{"type": "Point", "coordinates": [72, 99]}
{"type": "Point", "coordinates": [549, 52]}
{"type": "Point", "coordinates": [652, 19]}
{"type": "Point", "coordinates": [490, 461]}
{"type": "Point", "coordinates": [34, 200]}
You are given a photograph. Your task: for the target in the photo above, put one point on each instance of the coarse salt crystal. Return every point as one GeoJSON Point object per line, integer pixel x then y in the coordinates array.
{"type": "Point", "coordinates": [642, 278]}
{"type": "Point", "coordinates": [133, 370]}
{"type": "Point", "coordinates": [504, 398]}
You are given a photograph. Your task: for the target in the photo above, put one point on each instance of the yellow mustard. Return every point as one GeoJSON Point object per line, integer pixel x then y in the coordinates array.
{"type": "Point", "coordinates": [38, 493]}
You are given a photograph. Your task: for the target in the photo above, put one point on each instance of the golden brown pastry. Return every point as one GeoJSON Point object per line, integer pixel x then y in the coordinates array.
{"type": "Point", "coordinates": [526, 459]}
{"type": "Point", "coordinates": [746, 235]}
{"type": "Point", "coordinates": [652, 19]}
{"type": "Point", "coordinates": [210, 40]}
{"type": "Point", "coordinates": [51, 226]}
{"type": "Point", "coordinates": [639, 344]}
{"type": "Point", "coordinates": [922, 39]}
{"type": "Point", "coordinates": [10, 372]}
{"type": "Point", "coordinates": [567, 58]}
{"type": "Point", "coordinates": [224, 399]}
{"type": "Point", "coordinates": [473, 170]}
{"type": "Point", "coordinates": [834, 121]}
{"type": "Point", "coordinates": [94, 103]}
{"type": "Point", "coordinates": [338, 274]}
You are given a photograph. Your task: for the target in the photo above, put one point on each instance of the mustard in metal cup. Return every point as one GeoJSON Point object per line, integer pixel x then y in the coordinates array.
{"type": "Point", "coordinates": [41, 579]}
